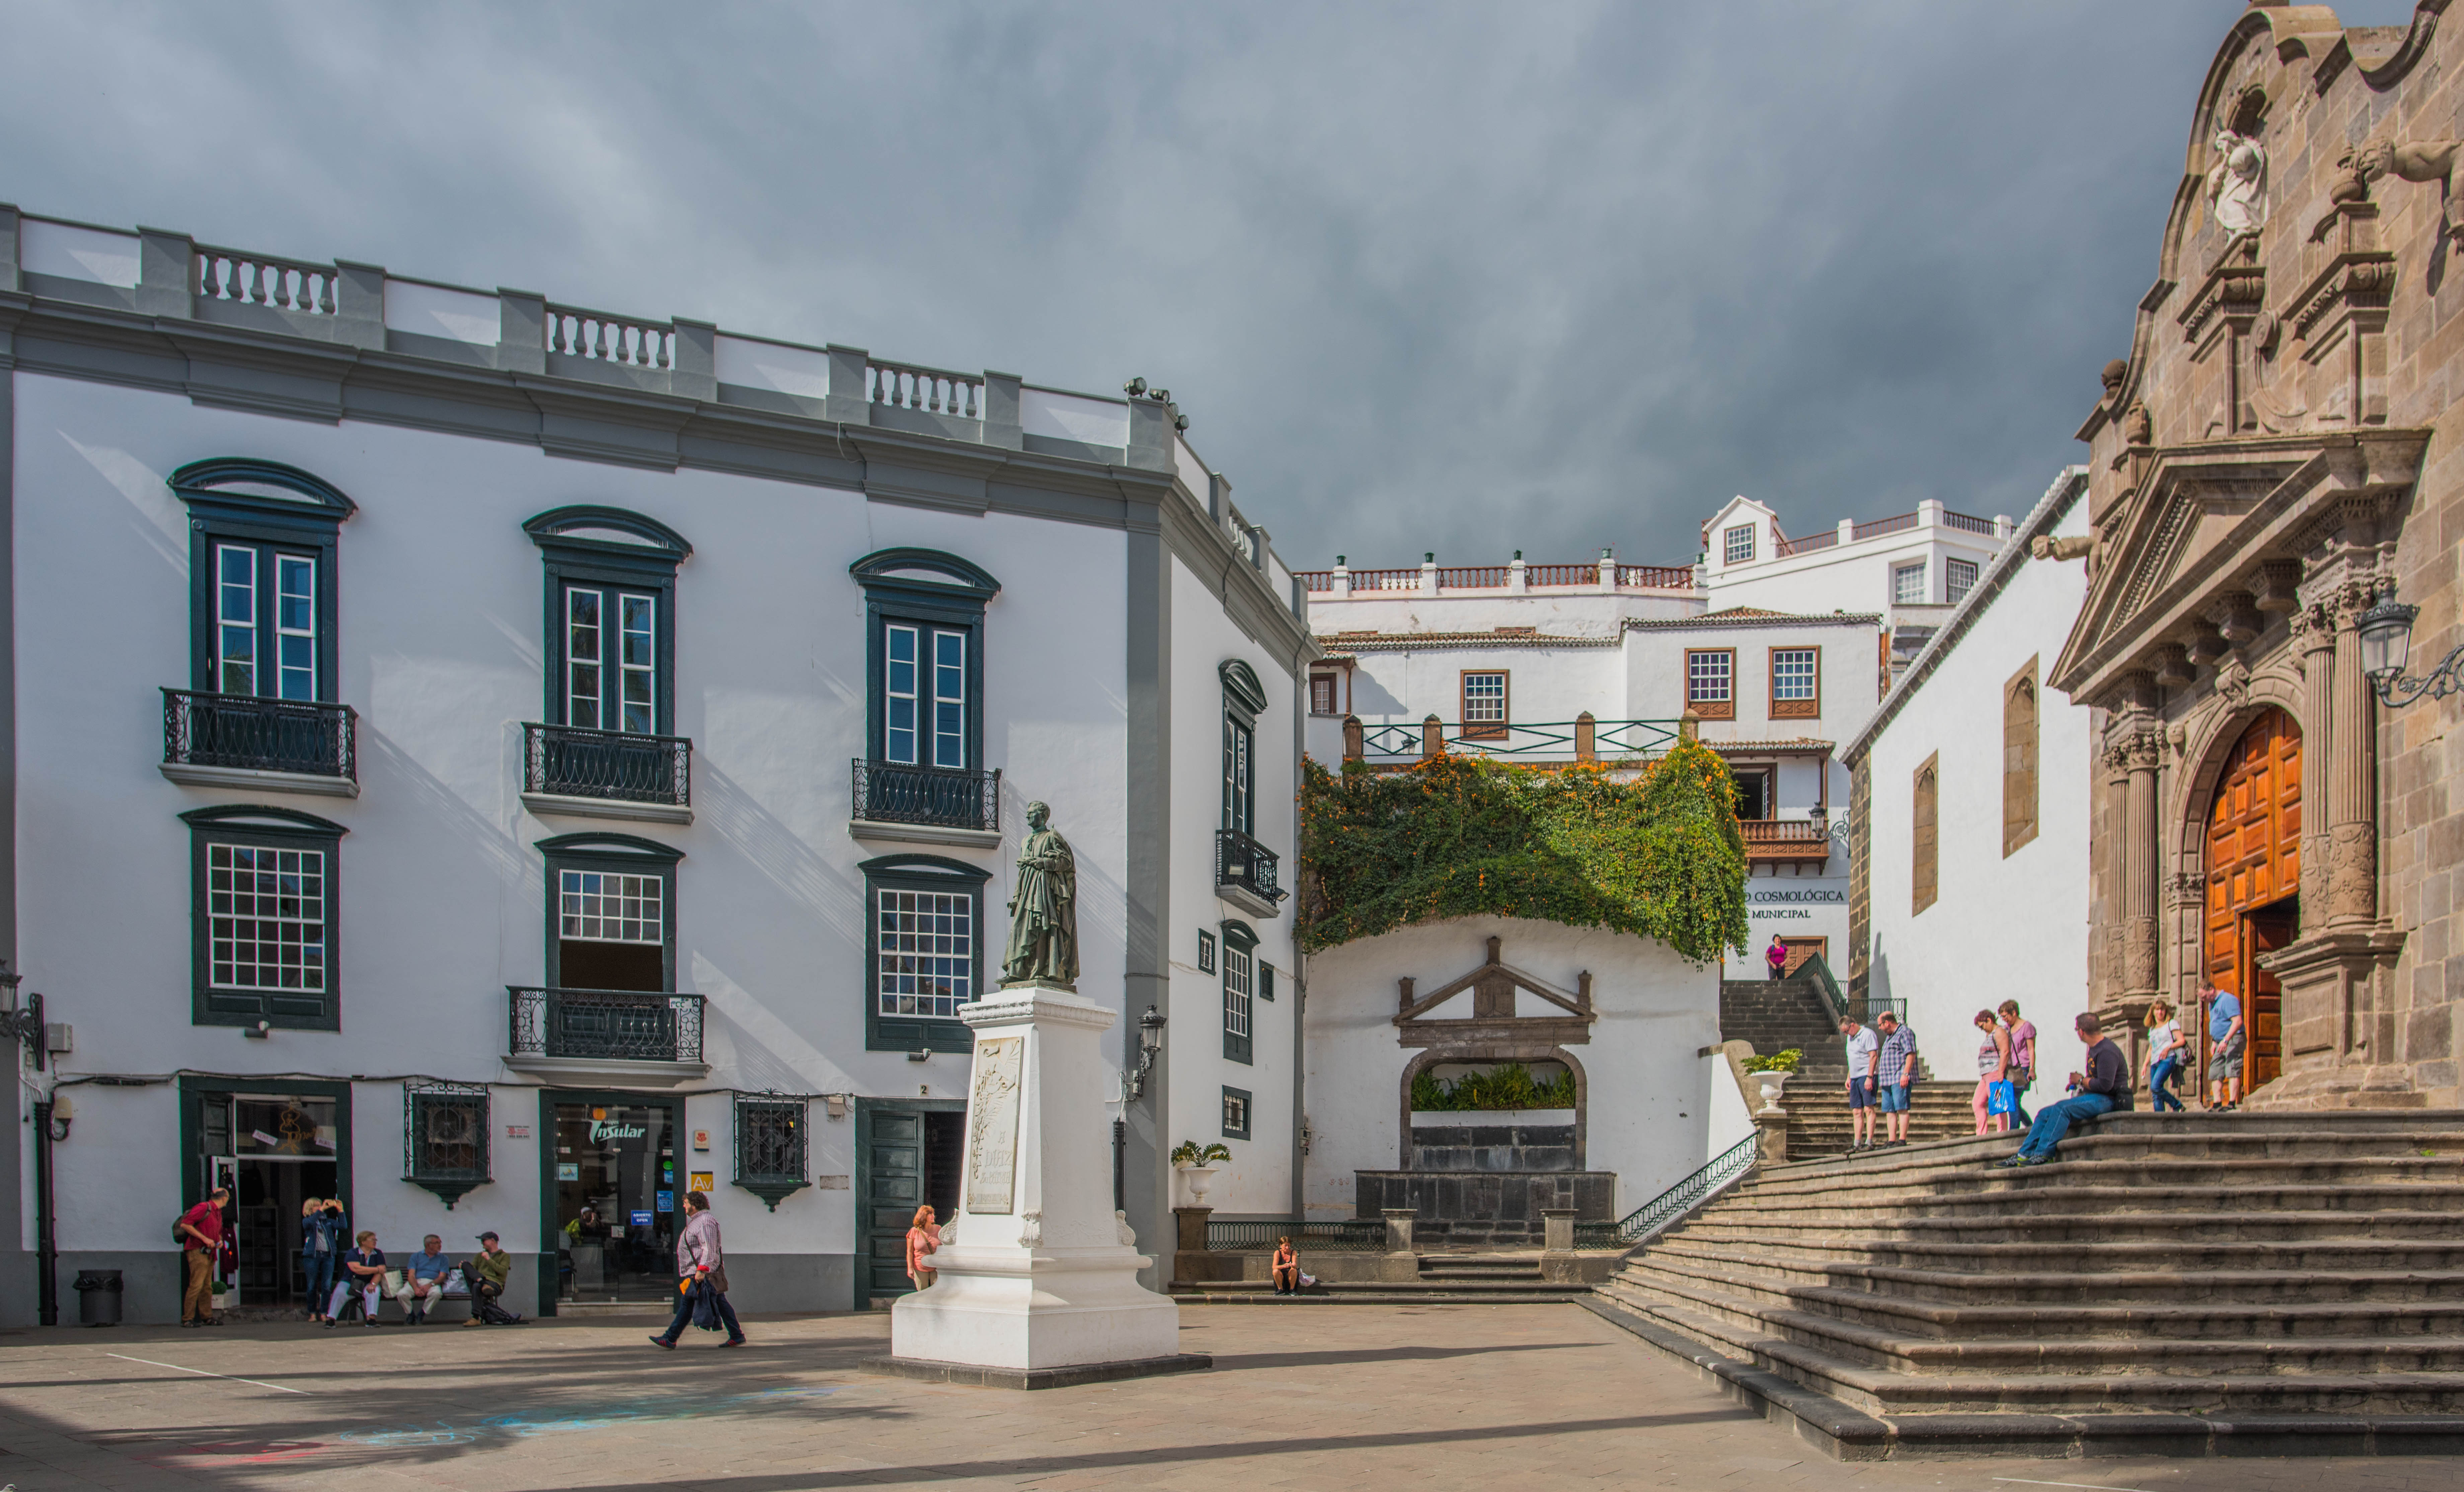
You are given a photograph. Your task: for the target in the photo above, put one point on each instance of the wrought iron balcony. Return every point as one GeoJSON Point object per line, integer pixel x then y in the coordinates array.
{"type": "Point", "coordinates": [567, 761]}
{"type": "Point", "coordinates": [247, 733]}
{"type": "Point", "coordinates": [603, 1025]}
{"type": "Point", "coordinates": [890, 792]}
{"type": "Point", "coordinates": [1246, 872]}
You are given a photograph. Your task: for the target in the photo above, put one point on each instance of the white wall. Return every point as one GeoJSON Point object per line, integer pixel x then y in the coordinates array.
{"type": "Point", "coordinates": [1258, 1181]}
{"type": "Point", "coordinates": [1543, 684]}
{"type": "Point", "coordinates": [1555, 612]}
{"type": "Point", "coordinates": [2003, 927]}
{"type": "Point", "coordinates": [1649, 1096]}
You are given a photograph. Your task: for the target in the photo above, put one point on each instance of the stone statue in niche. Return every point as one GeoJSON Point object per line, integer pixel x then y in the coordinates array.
{"type": "Point", "coordinates": [1044, 909]}
{"type": "Point", "coordinates": [2238, 183]}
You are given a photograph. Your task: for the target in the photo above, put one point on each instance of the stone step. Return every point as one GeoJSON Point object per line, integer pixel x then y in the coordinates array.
{"type": "Point", "coordinates": [1983, 1313]}
{"type": "Point", "coordinates": [1960, 1198]}
{"type": "Point", "coordinates": [2185, 1229]}
{"type": "Point", "coordinates": [2021, 1274]}
{"type": "Point", "coordinates": [1262, 1293]}
{"type": "Point", "coordinates": [2395, 1392]}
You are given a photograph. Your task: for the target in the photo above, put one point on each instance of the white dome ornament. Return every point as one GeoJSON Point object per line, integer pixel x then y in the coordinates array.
{"type": "Point", "coordinates": [2236, 182]}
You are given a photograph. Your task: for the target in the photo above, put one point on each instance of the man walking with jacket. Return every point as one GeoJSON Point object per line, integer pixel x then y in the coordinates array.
{"type": "Point", "coordinates": [2103, 1088]}
{"type": "Point", "coordinates": [700, 1265]}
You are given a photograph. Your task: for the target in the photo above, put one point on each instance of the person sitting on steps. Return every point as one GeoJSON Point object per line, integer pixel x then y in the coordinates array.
{"type": "Point", "coordinates": [1287, 1267]}
{"type": "Point", "coordinates": [2103, 1088]}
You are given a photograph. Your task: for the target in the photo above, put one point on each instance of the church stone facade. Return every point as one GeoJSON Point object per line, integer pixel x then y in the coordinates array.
{"type": "Point", "coordinates": [2282, 451]}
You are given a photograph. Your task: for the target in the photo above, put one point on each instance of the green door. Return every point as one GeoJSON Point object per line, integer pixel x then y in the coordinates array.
{"type": "Point", "coordinates": [894, 1186]}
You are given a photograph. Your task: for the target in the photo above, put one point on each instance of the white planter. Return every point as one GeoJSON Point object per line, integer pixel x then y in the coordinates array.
{"type": "Point", "coordinates": [1197, 1179]}
{"type": "Point", "coordinates": [1770, 1084]}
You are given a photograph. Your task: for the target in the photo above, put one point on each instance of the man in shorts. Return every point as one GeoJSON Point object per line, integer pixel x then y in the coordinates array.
{"type": "Point", "coordinates": [2228, 1039]}
{"type": "Point", "coordinates": [1864, 1050]}
{"type": "Point", "coordinates": [1895, 1077]}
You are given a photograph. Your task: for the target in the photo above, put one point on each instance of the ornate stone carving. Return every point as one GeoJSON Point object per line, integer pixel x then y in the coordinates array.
{"type": "Point", "coordinates": [2232, 683]}
{"type": "Point", "coordinates": [2238, 184]}
{"type": "Point", "coordinates": [2115, 372]}
{"type": "Point", "coordinates": [2146, 750]}
{"type": "Point", "coordinates": [2138, 429]}
{"type": "Point", "coordinates": [2173, 666]}
{"type": "Point", "coordinates": [2237, 617]}
{"type": "Point", "coordinates": [2352, 870]}
{"type": "Point", "coordinates": [2116, 759]}
{"type": "Point", "coordinates": [2187, 889]}
{"type": "Point", "coordinates": [2419, 161]}
{"type": "Point", "coordinates": [2045, 546]}
{"type": "Point", "coordinates": [2139, 953]}
{"type": "Point", "coordinates": [2276, 583]}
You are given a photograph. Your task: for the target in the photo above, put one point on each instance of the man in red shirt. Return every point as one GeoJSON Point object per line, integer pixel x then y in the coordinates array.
{"type": "Point", "coordinates": [199, 1231]}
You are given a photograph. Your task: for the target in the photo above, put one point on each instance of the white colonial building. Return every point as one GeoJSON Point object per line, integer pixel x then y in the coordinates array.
{"type": "Point", "coordinates": [1971, 784]}
{"type": "Point", "coordinates": [486, 759]}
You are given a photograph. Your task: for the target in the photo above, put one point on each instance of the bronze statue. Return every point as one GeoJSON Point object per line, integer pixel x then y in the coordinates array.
{"type": "Point", "coordinates": [1044, 909]}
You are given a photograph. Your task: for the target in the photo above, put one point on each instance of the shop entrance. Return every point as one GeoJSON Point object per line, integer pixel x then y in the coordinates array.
{"type": "Point", "coordinates": [614, 1191]}
{"type": "Point", "coordinates": [907, 1150]}
{"type": "Point", "coordinates": [275, 1151]}
{"type": "Point", "coordinates": [2253, 878]}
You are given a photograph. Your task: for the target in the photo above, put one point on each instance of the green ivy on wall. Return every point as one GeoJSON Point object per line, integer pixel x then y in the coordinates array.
{"type": "Point", "coordinates": [1463, 836]}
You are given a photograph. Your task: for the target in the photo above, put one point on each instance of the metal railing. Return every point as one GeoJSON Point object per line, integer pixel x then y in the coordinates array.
{"type": "Point", "coordinates": [571, 763]}
{"type": "Point", "coordinates": [1352, 1236]}
{"type": "Point", "coordinates": [1555, 740]}
{"type": "Point", "coordinates": [1674, 1205]}
{"type": "Point", "coordinates": [1828, 539]}
{"type": "Point", "coordinates": [1878, 527]}
{"type": "Point", "coordinates": [891, 792]}
{"type": "Point", "coordinates": [1241, 862]}
{"type": "Point", "coordinates": [207, 730]}
{"type": "Point", "coordinates": [603, 1024]}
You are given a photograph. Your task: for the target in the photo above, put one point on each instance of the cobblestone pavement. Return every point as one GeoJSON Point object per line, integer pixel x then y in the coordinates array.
{"type": "Point", "coordinates": [1500, 1398]}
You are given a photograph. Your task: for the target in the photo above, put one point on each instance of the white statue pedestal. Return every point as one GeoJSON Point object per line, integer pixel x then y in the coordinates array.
{"type": "Point", "coordinates": [1037, 1283]}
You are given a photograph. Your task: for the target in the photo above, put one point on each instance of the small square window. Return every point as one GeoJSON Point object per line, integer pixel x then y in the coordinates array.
{"type": "Point", "coordinates": [1959, 578]}
{"type": "Point", "coordinates": [1483, 704]}
{"type": "Point", "coordinates": [1206, 953]}
{"type": "Point", "coordinates": [1711, 683]}
{"type": "Point", "coordinates": [1737, 544]}
{"type": "Point", "coordinates": [1795, 683]}
{"type": "Point", "coordinates": [1236, 1113]}
{"type": "Point", "coordinates": [1908, 585]}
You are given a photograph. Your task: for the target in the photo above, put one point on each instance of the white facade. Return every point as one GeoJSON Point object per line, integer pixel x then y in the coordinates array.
{"type": "Point", "coordinates": [2008, 920]}
{"type": "Point", "coordinates": [1648, 1095]}
{"type": "Point", "coordinates": [1127, 586]}
{"type": "Point", "coordinates": [1927, 558]}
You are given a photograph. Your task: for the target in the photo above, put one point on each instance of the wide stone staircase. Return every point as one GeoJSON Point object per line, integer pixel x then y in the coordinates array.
{"type": "Point", "coordinates": [2195, 1284]}
{"type": "Point", "coordinates": [1776, 1015]}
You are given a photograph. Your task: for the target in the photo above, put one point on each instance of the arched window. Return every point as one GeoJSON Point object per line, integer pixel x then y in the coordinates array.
{"type": "Point", "coordinates": [2019, 759]}
{"type": "Point", "coordinates": [1924, 843]}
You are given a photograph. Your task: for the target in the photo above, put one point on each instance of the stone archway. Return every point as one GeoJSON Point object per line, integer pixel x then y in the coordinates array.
{"type": "Point", "coordinates": [2253, 866]}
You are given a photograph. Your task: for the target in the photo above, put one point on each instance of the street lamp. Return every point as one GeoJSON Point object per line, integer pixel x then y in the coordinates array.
{"type": "Point", "coordinates": [1150, 1047]}
{"type": "Point", "coordinates": [2386, 632]}
{"type": "Point", "coordinates": [23, 1025]}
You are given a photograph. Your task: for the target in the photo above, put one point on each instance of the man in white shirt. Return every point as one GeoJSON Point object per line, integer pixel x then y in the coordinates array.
{"type": "Point", "coordinates": [1864, 1052]}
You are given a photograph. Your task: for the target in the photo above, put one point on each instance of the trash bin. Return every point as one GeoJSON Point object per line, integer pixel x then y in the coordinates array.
{"type": "Point", "coordinates": [98, 1297]}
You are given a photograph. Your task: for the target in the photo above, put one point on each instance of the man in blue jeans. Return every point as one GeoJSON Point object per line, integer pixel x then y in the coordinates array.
{"type": "Point", "coordinates": [2103, 1088]}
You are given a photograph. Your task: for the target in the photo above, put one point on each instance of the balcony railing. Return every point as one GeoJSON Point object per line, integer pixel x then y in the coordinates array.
{"type": "Point", "coordinates": [1242, 864]}
{"type": "Point", "coordinates": [608, 1025]}
{"type": "Point", "coordinates": [891, 792]}
{"type": "Point", "coordinates": [1555, 740]}
{"type": "Point", "coordinates": [568, 761]}
{"type": "Point", "coordinates": [207, 729]}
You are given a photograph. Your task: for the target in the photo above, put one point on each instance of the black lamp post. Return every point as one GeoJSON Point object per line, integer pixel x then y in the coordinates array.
{"type": "Point", "coordinates": [2386, 633]}
{"type": "Point", "coordinates": [1150, 1047]}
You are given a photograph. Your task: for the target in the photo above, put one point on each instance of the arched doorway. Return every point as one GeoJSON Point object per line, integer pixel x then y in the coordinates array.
{"type": "Point", "coordinates": [2254, 879]}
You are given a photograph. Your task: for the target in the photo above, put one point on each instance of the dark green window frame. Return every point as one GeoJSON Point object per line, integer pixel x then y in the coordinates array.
{"type": "Point", "coordinates": [623, 854]}
{"type": "Point", "coordinates": [221, 514]}
{"type": "Point", "coordinates": [1245, 699]}
{"type": "Point", "coordinates": [195, 1091]}
{"type": "Point", "coordinates": [941, 876]}
{"type": "Point", "coordinates": [572, 557]}
{"type": "Point", "coordinates": [1237, 1102]}
{"type": "Point", "coordinates": [898, 591]}
{"type": "Point", "coordinates": [255, 827]}
{"type": "Point", "coordinates": [1240, 992]}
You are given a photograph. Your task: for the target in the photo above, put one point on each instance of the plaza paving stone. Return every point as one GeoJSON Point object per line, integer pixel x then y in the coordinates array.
{"type": "Point", "coordinates": [1301, 1397]}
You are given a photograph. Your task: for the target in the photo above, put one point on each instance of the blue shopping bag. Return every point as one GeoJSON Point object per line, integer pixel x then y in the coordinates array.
{"type": "Point", "coordinates": [2001, 1098]}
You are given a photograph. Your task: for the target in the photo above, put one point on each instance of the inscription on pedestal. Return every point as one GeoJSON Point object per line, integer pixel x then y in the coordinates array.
{"type": "Point", "coordinates": [992, 1124]}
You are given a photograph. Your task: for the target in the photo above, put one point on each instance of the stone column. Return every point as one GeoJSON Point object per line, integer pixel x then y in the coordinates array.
{"type": "Point", "coordinates": [2352, 775]}
{"type": "Point", "coordinates": [2112, 956]}
{"type": "Point", "coordinates": [2314, 633]}
{"type": "Point", "coordinates": [2139, 856]}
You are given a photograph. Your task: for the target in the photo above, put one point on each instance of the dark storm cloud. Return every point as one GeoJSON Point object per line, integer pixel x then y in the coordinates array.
{"type": "Point", "coordinates": [1548, 277]}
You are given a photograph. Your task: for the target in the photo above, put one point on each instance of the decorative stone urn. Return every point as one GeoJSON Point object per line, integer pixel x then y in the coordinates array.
{"type": "Point", "coordinates": [1198, 1178]}
{"type": "Point", "coordinates": [1771, 1083]}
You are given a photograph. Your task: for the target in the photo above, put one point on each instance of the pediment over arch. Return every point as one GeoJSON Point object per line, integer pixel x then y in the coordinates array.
{"type": "Point", "coordinates": [1495, 1020]}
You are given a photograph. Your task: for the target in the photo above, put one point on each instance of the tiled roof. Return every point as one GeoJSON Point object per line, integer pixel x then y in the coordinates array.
{"type": "Point", "coordinates": [1755, 616]}
{"type": "Point", "coordinates": [1806, 744]}
{"type": "Point", "coordinates": [1338, 644]}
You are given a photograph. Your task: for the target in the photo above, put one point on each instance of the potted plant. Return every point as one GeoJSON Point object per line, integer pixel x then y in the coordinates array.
{"type": "Point", "coordinates": [1197, 1165]}
{"type": "Point", "coordinates": [1771, 1074]}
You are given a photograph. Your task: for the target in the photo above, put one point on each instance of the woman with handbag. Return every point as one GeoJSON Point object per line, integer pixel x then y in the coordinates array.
{"type": "Point", "coordinates": [1996, 1097]}
{"type": "Point", "coordinates": [702, 1283]}
{"type": "Point", "coordinates": [2167, 1045]}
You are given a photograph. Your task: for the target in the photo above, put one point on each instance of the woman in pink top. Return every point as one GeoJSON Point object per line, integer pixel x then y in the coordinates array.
{"type": "Point", "coordinates": [1992, 1065]}
{"type": "Point", "coordinates": [2023, 1060]}
{"type": "Point", "coordinates": [1776, 955]}
{"type": "Point", "coordinates": [923, 1239]}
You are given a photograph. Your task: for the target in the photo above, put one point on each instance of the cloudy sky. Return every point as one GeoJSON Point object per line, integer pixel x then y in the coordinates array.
{"type": "Point", "coordinates": [1465, 278]}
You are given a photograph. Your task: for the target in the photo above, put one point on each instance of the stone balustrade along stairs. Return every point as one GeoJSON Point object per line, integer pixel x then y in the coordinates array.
{"type": "Point", "coordinates": [1778, 1015]}
{"type": "Point", "coordinates": [2233, 1283]}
